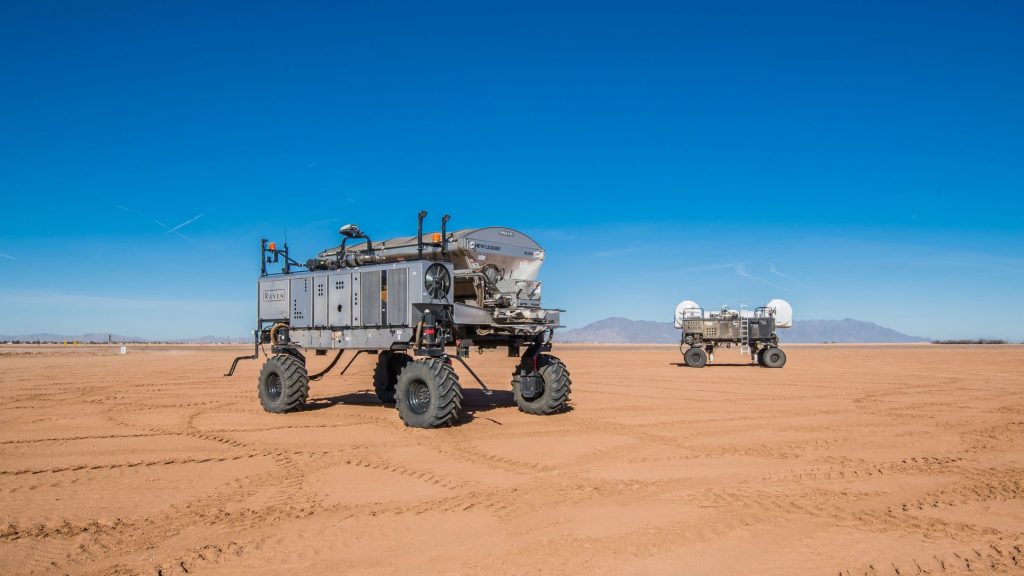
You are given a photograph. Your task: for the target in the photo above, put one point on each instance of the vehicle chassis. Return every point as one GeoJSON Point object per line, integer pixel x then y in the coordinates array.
{"type": "Point", "coordinates": [399, 301]}
{"type": "Point", "coordinates": [754, 334]}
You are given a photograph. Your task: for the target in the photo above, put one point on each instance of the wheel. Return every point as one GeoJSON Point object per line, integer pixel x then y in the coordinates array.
{"type": "Point", "coordinates": [759, 357]}
{"type": "Point", "coordinates": [773, 358]}
{"type": "Point", "coordinates": [695, 358]}
{"type": "Point", "coordinates": [686, 344]}
{"type": "Point", "coordinates": [283, 384]}
{"type": "Point", "coordinates": [428, 394]}
{"type": "Point", "coordinates": [553, 397]}
{"type": "Point", "coordinates": [385, 375]}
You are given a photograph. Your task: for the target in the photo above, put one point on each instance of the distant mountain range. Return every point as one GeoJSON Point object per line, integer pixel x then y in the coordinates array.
{"type": "Point", "coordinates": [626, 331]}
{"type": "Point", "coordinates": [609, 330]}
{"type": "Point", "coordinates": [102, 338]}
{"type": "Point", "coordinates": [622, 331]}
{"type": "Point", "coordinates": [846, 330]}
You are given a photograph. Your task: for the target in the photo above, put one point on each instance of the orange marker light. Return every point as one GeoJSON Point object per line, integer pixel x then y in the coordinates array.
{"type": "Point", "coordinates": [272, 245]}
{"type": "Point", "coordinates": [437, 237]}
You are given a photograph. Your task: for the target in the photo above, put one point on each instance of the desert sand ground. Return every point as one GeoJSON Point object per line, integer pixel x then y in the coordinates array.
{"type": "Point", "coordinates": [851, 460]}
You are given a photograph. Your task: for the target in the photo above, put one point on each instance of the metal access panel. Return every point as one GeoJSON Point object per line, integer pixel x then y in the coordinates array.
{"type": "Point", "coordinates": [711, 329]}
{"type": "Point", "coordinates": [357, 315]}
{"type": "Point", "coordinates": [274, 299]}
{"type": "Point", "coordinates": [339, 301]}
{"type": "Point", "coordinates": [302, 302]}
{"type": "Point", "coordinates": [398, 297]}
{"type": "Point", "coordinates": [369, 288]}
{"type": "Point", "coordinates": [693, 326]}
{"type": "Point", "coordinates": [762, 328]}
{"type": "Point", "coordinates": [320, 316]}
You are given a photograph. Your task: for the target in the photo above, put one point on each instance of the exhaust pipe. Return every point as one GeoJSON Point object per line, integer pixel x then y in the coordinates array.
{"type": "Point", "coordinates": [444, 235]}
{"type": "Point", "coordinates": [419, 234]}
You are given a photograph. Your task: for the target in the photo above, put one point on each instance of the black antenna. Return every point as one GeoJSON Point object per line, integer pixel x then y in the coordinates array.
{"type": "Point", "coordinates": [444, 235]}
{"type": "Point", "coordinates": [287, 260]}
{"type": "Point", "coordinates": [419, 233]}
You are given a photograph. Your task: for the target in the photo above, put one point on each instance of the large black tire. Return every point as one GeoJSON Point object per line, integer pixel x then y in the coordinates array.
{"type": "Point", "coordinates": [557, 387]}
{"type": "Point", "coordinates": [428, 394]}
{"type": "Point", "coordinates": [695, 357]}
{"type": "Point", "coordinates": [283, 384]}
{"type": "Point", "coordinates": [759, 357]}
{"type": "Point", "coordinates": [385, 375]}
{"type": "Point", "coordinates": [773, 358]}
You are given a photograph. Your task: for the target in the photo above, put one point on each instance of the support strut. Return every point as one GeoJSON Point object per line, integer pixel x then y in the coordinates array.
{"type": "Point", "coordinates": [486, 390]}
{"type": "Point", "coordinates": [347, 366]}
{"type": "Point", "coordinates": [255, 353]}
{"type": "Point", "coordinates": [231, 371]}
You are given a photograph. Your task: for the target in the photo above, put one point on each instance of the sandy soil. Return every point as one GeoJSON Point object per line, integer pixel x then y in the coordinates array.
{"type": "Point", "coordinates": [851, 460]}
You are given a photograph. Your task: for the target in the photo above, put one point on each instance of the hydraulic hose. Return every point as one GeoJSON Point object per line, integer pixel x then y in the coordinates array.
{"type": "Point", "coordinates": [321, 374]}
{"type": "Point", "coordinates": [274, 330]}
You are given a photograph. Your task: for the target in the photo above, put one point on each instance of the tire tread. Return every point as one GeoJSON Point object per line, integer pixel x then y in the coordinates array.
{"type": "Point", "coordinates": [557, 388]}
{"type": "Point", "coordinates": [294, 383]}
{"type": "Point", "coordinates": [449, 396]}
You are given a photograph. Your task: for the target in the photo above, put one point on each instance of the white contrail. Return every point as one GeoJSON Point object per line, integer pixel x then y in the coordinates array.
{"type": "Point", "coordinates": [175, 230]}
{"type": "Point", "coordinates": [166, 227]}
{"type": "Point", "coordinates": [709, 267]}
{"type": "Point", "coordinates": [741, 269]}
{"type": "Point", "coordinates": [186, 222]}
{"type": "Point", "coordinates": [186, 238]}
{"type": "Point", "coordinates": [774, 270]}
{"type": "Point", "coordinates": [8, 256]}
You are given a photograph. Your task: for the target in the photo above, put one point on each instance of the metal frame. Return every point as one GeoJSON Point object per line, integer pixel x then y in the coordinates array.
{"type": "Point", "coordinates": [753, 334]}
{"type": "Point", "coordinates": [345, 298]}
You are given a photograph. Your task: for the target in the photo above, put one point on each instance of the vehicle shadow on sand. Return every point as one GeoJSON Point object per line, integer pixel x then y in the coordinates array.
{"type": "Point", "coordinates": [719, 365]}
{"type": "Point", "coordinates": [474, 402]}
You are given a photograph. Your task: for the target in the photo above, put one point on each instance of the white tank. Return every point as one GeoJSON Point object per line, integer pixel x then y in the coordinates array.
{"type": "Point", "coordinates": [686, 309]}
{"type": "Point", "coordinates": [783, 313]}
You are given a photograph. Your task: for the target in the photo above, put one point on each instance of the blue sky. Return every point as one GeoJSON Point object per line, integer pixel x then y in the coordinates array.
{"type": "Point", "coordinates": [858, 159]}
